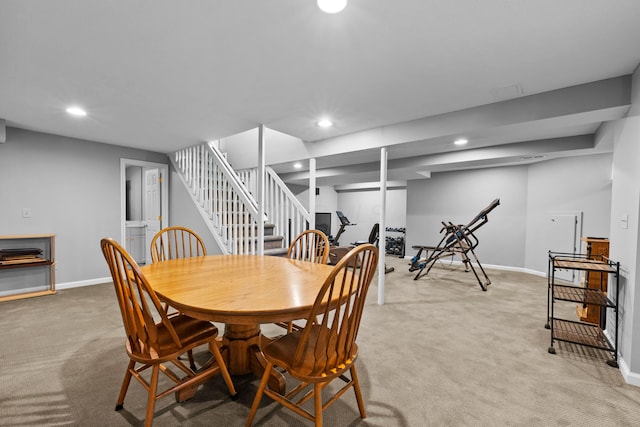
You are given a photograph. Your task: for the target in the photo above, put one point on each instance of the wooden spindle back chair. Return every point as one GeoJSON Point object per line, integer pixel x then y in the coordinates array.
{"type": "Point", "coordinates": [310, 245]}
{"type": "Point", "coordinates": [176, 242]}
{"type": "Point", "coordinates": [155, 343]}
{"type": "Point", "coordinates": [326, 347]}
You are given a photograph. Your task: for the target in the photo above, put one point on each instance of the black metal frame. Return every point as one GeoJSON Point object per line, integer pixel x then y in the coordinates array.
{"type": "Point", "coordinates": [457, 239]}
{"type": "Point", "coordinates": [581, 333]}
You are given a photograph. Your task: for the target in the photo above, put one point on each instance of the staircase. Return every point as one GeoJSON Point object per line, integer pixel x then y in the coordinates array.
{"type": "Point", "coordinates": [273, 243]}
{"type": "Point", "coordinates": [226, 202]}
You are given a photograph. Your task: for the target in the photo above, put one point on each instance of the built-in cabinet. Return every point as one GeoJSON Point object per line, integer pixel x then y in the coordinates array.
{"type": "Point", "coordinates": [597, 295]}
{"type": "Point", "coordinates": [27, 266]}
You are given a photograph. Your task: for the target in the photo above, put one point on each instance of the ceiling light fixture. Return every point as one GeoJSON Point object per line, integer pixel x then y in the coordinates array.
{"type": "Point", "coordinates": [76, 111]}
{"type": "Point", "coordinates": [460, 141]}
{"type": "Point", "coordinates": [332, 6]}
{"type": "Point", "coordinates": [325, 123]}
{"type": "Point", "coordinates": [297, 165]}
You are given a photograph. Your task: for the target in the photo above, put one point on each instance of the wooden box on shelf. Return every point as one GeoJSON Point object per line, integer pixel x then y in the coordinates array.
{"type": "Point", "coordinates": [27, 266]}
{"type": "Point", "coordinates": [596, 249]}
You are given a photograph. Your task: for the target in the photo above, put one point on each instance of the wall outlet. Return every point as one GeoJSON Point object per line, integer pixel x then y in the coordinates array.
{"type": "Point", "coordinates": [26, 212]}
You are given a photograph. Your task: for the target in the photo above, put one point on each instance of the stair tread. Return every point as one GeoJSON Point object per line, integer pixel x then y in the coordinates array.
{"type": "Point", "coordinates": [276, 251]}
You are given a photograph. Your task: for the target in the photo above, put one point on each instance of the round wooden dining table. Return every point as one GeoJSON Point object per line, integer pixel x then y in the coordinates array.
{"type": "Point", "coordinates": [241, 291]}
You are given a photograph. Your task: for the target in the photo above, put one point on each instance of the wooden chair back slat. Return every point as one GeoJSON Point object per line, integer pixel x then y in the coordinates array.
{"type": "Point", "coordinates": [334, 321]}
{"type": "Point", "coordinates": [139, 304]}
{"type": "Point", "coordinates": [176, 242]}
{"type": "Point", "coordinates": [310, 245]}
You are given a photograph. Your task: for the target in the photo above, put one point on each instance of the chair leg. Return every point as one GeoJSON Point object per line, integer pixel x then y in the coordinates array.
{"type": "Point", "coordinates": [125, 385]}
{"type": "Point", "coordinates": [151, 402]}
{"type": "Point", "coordinates": [192, 363]}
{"type": "Point", "coordinates": [223, 370]}
{"type": "Point", "coordinates": [356, 389]}
{"type": "Point", "coordinates": [256, 400]}
{"type": "Point", "coordinates": [317, 399]}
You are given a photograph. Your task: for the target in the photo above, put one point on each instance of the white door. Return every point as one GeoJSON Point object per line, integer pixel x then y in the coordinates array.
{"type": "Point", "coordinates": [563, 238]}
{"type": "Point", "coordinates": [151, 207]}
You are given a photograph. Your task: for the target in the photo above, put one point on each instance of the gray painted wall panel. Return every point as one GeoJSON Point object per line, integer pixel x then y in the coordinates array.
{"type": "Point", "coordinates": [458, 197]}
{"type": "Point", "coordinates": [73, 189]}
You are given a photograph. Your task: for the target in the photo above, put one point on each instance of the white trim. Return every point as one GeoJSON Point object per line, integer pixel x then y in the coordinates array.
{"type": "Point", "coordinates": [499, 267]}
{"type": "Point", "coordinates": [632, 378]}
{"type": "Point", "coordinates": [82, 283]}
{"type": "Point", "coordinates": [312, 194]}
{"type": "Point", "coordinates": [164, 174]}
{"type": "Point", "coordinates": [382, 267]}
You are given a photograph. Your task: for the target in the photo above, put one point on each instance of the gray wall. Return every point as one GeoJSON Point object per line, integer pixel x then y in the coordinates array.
{"type": "Point", "coordinates": [458, 197]}
{"type": "Point", "coordinates": [182, 211]}
{"type": "Point", "coordinates": [73, 189]}
{"type": "Point", "coordinates": [575, 184]}
{"type": "Point", "coordinates": [518, 233]}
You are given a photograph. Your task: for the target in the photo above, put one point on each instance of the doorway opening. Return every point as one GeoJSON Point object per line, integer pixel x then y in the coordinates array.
{"type": "Point", "coordinates": [144, 205]}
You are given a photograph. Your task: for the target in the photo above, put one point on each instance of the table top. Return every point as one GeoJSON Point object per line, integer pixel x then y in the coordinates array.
{"type": "Point", "coordinates": [238, 289]}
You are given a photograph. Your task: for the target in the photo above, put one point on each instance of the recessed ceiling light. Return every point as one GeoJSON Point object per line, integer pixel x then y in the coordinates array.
{"type": "Point", "coordinates": [460, 141]}
{"type": "Point", "coordinates": [297, 165]}
{"type": "Point", "coordinates": [325, 123]}
{"type": "Point", "coordinates": [76, 111]}
{"type": "Point", "coordinates": [332, 6]}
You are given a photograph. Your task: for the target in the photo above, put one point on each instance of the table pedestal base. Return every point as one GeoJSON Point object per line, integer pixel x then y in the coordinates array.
{"type": "Point", "coordinates": [240, 347]}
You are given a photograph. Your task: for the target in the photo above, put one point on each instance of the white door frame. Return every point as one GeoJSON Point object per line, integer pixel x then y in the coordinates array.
{"type": "Point", "coordinates": [164, 175]}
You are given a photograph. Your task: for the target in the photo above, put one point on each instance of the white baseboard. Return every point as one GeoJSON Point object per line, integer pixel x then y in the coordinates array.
{"type": "Point", "coordinates": [81, 283]}
{"type": "Point", "coordinates": [499, 267]}
{"type": "Point", "coordinates": [632, 378]}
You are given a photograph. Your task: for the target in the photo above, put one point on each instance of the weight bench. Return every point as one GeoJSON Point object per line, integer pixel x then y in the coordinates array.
{"type": "Point", "coordinates": [457, 239]}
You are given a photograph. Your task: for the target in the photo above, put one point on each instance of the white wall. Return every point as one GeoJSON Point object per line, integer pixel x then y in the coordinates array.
{"type": "Point", "coordinates": [326, 201]}
{"type": "Point", "coordinates": [242, 149]}
{"type": "Point", "coordinates": [363, 209]}
{"type": "Point", "coordinates": [625, 202]}
{"type": "Point", "coordinates": [73, 189]}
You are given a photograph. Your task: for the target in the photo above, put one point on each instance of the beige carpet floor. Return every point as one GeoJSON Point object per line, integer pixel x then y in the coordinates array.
{"type": "Point", "coordinates": [439, 352]}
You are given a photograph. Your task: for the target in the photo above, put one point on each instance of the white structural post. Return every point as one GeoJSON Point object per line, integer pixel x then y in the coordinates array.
{"type": "Point", "coordinates": [312, 194]}
{"type": "Point", "coordinates": [261, 172]}
{"type": "Point", "coordinates": [382, 234]}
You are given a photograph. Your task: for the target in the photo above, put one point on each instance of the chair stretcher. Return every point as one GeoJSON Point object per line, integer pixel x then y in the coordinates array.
{"type": "Point", "coordinates": [457, 240]}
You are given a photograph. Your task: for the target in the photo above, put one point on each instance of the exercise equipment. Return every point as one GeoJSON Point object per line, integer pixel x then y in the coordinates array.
{"type": "Point", "coordinates": [344, 222]}
{"type": "Point", "coordinates": [457, 239]}
{"type": "Point", "coordinates": [337, 252]}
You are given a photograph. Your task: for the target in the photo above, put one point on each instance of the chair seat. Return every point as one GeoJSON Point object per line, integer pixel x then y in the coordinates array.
{"type": "Point", "coordinates": [153, 343]}
{"type": "Point", "coordinates": [324, 349]}
{"type": "Point", "coordinates": [192, 333]}
{"type": "Point", "coordinates": [282, 351]}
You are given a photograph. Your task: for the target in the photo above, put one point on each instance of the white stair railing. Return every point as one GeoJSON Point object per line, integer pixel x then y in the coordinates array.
{"type": "Point", "coordinates": [282, 207]}
{"type": "Point", "coordinates": [224, 202]}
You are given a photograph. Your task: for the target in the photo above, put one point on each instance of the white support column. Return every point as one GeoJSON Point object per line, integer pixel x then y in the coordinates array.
{"type": "Point", "coordinates": [261, 174]}
{"type": "Point", "coordinates": [312, 194]}
{"type": "Point", "coordinates": [383, 225]}
{"type": "Point", "coordinates": [3, 130]}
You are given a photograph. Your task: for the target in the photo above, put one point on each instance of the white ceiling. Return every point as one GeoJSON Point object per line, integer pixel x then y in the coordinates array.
{"type": "Point", "coordinates": [166, 74]}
